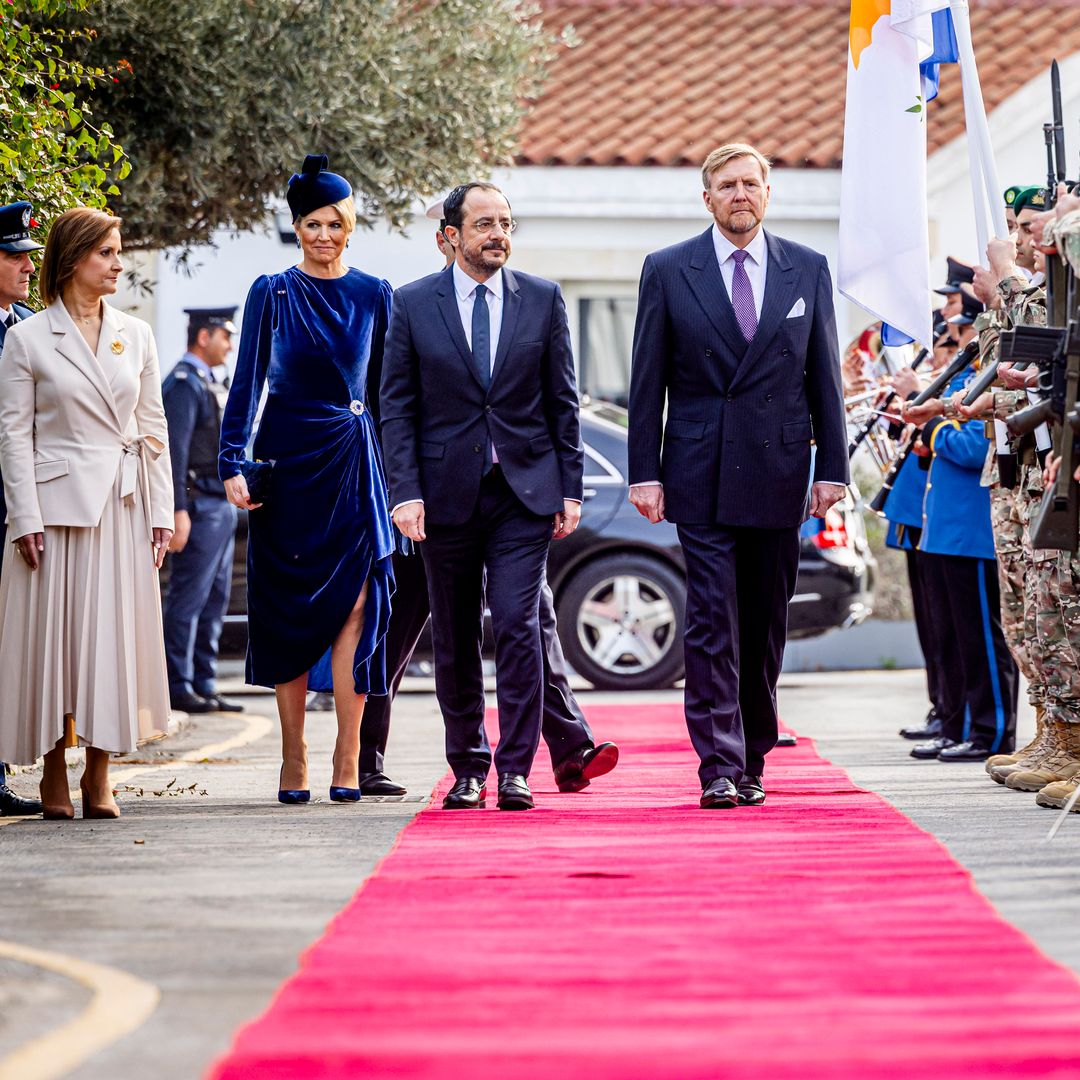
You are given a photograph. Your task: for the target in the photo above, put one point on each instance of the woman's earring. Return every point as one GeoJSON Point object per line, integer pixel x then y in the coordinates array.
{"type": "Point", "coordinates": [346, 243]}
{"type": "Point", "coordinates": [298, 241]}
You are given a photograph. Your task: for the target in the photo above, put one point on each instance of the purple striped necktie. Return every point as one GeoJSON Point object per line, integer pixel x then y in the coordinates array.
{"type": "Point", "coordinates": [742, 296]}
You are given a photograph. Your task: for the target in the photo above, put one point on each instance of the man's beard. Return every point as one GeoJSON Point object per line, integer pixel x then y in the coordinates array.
{"type": "Point", "coordinates": [476, 259]}
{"type": "Point", "coordinates": [742, 226]}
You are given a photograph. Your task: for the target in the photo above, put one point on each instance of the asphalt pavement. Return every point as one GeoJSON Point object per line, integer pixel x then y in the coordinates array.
{"type": "Point", "coordinates": [209, 891]}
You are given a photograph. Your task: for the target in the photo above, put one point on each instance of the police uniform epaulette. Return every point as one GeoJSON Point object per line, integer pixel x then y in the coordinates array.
{"type": "Point", "coordinates": [181, 373]}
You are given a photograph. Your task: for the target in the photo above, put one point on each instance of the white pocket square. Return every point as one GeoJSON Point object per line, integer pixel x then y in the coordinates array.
{"type": "Point", "coordinates": [798, 309]}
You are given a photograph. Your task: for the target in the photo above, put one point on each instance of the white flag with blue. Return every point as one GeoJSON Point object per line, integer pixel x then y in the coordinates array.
{"type": "Point", "coordinates": [895, 49]}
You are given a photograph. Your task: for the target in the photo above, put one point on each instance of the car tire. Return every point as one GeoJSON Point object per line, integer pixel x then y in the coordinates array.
{"type": "Point", "coordinates": [621, 622]}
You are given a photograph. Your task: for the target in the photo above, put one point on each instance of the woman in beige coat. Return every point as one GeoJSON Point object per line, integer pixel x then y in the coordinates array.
{"type": "Point", "coordinates": [83, 451]}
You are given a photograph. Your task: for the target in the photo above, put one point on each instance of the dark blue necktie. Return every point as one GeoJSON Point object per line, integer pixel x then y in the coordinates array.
{"type": "Point", "coordinates": [481, 336]}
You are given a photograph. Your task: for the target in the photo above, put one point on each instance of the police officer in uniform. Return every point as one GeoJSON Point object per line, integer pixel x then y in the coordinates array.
{"type": "Point", "coordinates": [15, 271]}
{"type": "Point", "coordinates": [202, 544]}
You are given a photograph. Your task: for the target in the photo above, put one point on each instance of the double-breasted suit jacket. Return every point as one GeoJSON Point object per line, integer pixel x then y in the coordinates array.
{"type": "Point", "coordinates": [735, 446]}
{"type": "Point", "coordinates": [69, 420]}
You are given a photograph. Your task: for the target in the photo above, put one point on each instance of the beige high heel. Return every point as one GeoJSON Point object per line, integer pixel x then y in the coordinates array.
{"type": "Point", "coordinates": [98, 811]}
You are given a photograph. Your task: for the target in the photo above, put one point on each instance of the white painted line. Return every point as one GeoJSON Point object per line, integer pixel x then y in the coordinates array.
{"type": "Point", "coordinates": [121, 1003]}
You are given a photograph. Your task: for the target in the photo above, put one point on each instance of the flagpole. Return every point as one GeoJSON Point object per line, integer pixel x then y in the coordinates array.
{"type": "Point", "coordinates": [989, 207]}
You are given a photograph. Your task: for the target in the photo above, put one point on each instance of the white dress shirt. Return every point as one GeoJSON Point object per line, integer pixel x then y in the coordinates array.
{"type": "Point", "coordinates": [755, 266]}
{"type": "Point", "coordinates": [465, 291]}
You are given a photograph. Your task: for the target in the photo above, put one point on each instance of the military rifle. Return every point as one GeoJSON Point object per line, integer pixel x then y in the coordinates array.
{"type": "Point", "coordinates": [1055, 527]}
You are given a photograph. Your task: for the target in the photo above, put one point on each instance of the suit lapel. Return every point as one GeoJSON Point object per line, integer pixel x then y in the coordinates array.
{"type": "Point", "coordinates": [114, 351]}
{"type": "Point", "coordinates": [707, 284]}
{"type": "Point", "coordinates": [72, 346]}
{"type": "Point", "coordinates": [448, 307]}
{"type": "Point", "coordinates": [511, 306]}
{"type": "Point", "coordinates": [780, 280]}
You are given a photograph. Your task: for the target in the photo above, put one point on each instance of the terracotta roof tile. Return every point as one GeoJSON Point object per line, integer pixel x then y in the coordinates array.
{"type": "Point", "coordinates": [659, 82]}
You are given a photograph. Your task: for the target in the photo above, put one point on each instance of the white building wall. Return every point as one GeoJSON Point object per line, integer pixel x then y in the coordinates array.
{"type": "Point", "coordinates": [589, 229]}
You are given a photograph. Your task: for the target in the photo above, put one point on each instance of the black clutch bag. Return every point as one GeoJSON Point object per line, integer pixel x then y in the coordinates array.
{"type": "Point", "coordinates": [259, 476]}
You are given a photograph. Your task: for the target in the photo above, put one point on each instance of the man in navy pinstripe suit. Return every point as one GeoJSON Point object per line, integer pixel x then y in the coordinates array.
{"type": "Point", "coordinates": [736, 338]}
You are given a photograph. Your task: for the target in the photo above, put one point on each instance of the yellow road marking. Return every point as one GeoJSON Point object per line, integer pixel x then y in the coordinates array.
{"type": "Point", "coordinates": [255, 727]}
{"type": "Point", "coordinates": [121, 1003]}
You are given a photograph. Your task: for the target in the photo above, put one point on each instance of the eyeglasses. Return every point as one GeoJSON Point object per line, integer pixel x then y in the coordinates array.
{"type": "Point", "coordinates": [487, 225]}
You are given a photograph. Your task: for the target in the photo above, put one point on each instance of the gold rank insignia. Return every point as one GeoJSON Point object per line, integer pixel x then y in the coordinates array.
{"type": "Point", "coordinates": [117, 347]}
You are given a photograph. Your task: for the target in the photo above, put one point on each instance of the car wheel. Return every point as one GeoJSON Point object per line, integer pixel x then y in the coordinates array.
{"type": "Point", "coordinates": [621, 623]}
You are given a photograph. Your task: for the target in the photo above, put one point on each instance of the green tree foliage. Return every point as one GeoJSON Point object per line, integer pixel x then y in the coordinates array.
{"type": "Point", "coordinates": [227, 96]}
{"type": "Point", "coordinates": [52, 150]}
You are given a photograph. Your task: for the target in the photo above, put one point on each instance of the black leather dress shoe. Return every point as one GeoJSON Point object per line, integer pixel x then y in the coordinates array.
{"type": "Point", "coordinates": [190, 703]}
{"type": "Point", "coordinates": [930, 728]}
{"type": "Point", "coordinates": [468, 793]}
{"type": "Point", "coordinates": [965, 751]}
{"type": "Point", "coordinates": [12, 805]}
{"type": "Point", "coordinates": [787, 738]}
{"type": "Point", "coordinates": [586, 763]}
{"type": "Point", "coordinates": [377, 783]}
{"type": "Point", "coordinates": [751, 791]}
{"type": "Point", "coordinates": [720, 794]}
{"type": "Point", "coordinates": [514, 793]}
{"type": "Point", "coordinates": [930, 751]}
{"type": "Point", "coordinates": [224, 704]}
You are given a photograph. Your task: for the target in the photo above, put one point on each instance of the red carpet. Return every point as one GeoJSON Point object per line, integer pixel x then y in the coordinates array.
{"type": "Point", "coordinates": [624, 933]}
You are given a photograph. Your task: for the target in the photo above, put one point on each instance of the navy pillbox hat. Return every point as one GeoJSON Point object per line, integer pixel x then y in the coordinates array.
{"type": "Point", "coordinates": [314, 187]}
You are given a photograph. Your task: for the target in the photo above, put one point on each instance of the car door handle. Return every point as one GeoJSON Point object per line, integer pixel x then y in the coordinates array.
{"type": "Point", "coordinates": [589, 493]}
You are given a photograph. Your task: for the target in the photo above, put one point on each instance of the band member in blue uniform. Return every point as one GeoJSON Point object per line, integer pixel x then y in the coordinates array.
{"type": "Point", "coordinates": [960, 568]}
{"type": "Point", "coordinates": [16, 268]}
{"type": "Point", "coordinates": [320, 540]}
{"type": "Point", "coordinates": [904, 513]}
{"type": "Point", "coordinates": [200, 577]}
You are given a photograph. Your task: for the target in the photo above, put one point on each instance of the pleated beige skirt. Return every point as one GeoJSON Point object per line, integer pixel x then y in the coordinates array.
{"type": "Point", "coordinates": [81, 637]}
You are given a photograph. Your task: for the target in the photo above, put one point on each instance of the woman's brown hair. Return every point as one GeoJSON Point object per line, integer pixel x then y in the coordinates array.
{"type": "Point", "coordinates": [74, 234]}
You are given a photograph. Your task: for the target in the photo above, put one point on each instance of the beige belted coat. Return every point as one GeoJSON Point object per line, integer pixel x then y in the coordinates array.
{"type": "Point", "coordinates": [84, 456]}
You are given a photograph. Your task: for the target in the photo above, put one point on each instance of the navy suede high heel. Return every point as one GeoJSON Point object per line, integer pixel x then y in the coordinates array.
{"type": "Point", "coordinates": [344, 794]}
{"type": "Point", "coordinates": [294, 796]}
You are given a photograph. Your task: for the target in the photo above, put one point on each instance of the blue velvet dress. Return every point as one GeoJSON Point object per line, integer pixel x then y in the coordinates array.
{"type": "Point", "coordinates": [324, 529]}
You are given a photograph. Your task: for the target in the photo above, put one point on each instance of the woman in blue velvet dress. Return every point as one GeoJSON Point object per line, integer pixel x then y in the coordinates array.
{"type": "Point", "coordinates": [320, 539]}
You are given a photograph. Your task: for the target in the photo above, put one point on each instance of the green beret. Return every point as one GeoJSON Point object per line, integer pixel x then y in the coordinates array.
{"type": "Point", "coordinates": [1031, 198]}
{"type": "Point", "coordinates": [1011, 194]}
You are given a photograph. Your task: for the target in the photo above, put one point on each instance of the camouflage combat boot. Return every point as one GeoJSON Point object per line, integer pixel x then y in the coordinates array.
{"type": "Point", "coordinates": [999, 765]}
{"type": "Point", "coordinates": [1062, 763]}
{"type": "Point", "coordinates": [1057, 794]}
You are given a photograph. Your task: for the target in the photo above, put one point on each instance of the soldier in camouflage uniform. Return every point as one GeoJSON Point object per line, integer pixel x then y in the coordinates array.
{"type": "Point", "coordinates": [1016, 582]}
{"type": "Point", "coordinates": [1054, 754]}
{"type": "Point", "coordinates": [1064, 233]}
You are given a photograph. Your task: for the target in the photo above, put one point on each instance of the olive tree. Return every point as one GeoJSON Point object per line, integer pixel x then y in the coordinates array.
{"type": "Point", "coordinates": [53, 149]}
{"type": "Point", "coordinates": [218, 101]}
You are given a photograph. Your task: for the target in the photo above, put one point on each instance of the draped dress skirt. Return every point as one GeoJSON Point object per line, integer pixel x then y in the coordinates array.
{"type": "Point", "coordinates": [324, 530]}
